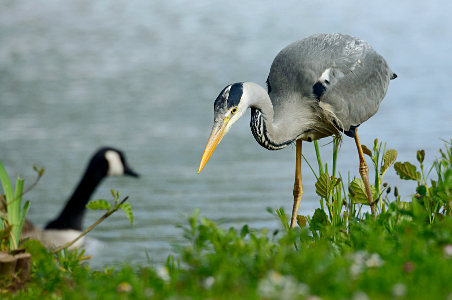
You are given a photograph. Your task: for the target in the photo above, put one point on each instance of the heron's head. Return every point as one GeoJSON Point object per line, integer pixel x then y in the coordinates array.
{"type": "Point", "coordinates": [230, 106]}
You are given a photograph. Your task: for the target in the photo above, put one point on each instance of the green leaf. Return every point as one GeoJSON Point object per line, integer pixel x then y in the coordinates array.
{"type": "Point", "coordinates": [127, 209]}
{"type": "Point", "coordinates": [23, 214]}
{"type": "Point", "coordinates": [325, 185]}
{"type": "Point", "coordinates": [283, 218]}
{"type": "Point", "coordinates": [388, 159]}
{"type": "Point", "coordinates": [302, 221]}
{"type": "Point", "coordinates": [6, 183]}
{"type": "Point", "coordinates": [318, 220]}
{"type": "Point", "coordinates": [366, 150]}
{"type": "Point", "coordinates": [245, 230]}
{"type": "Point", "coordinates": [7, 190]}
{"type": "Point", "coordinates": [358, 192]}
{"type": "Point", "coordinates": [99, 204]}
{"type": "Point", "coordinates": [407, 171]}
{"type": "Point", "coordinates": [14, 209]}
{"type": "Point", "coordinates": [421, 190]}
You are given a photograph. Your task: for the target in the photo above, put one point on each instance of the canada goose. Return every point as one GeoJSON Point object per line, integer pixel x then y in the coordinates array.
{"type": "Point", "coordinates": [68, 224]}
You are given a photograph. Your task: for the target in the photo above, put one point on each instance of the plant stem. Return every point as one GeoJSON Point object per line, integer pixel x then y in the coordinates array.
{"type": "Point", "coordinates": [33, 184]}
{"type": "Point", "coordinates": [335, 150]}
{"type": "Point", "coordinates": [106, 215]}
{"type": "Point", "coordinates": [319, 159]}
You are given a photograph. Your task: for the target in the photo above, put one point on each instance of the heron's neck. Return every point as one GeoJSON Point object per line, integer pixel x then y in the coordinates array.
{"type": "Point", "coordinates": [270, 129]}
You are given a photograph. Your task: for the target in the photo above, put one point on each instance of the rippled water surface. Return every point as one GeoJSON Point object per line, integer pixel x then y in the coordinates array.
{"type": "Point", "coordinates": [142, 76]}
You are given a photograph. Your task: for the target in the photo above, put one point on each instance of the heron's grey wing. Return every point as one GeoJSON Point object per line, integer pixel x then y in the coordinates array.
{"type": "Point", "coordinates": [355, 83]}
{"type": "Point", "coordinates": [342, 73]}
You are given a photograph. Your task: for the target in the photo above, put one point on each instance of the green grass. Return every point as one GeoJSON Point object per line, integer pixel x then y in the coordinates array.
{"type": "Point", "coordinates": [14, 218]}
{"type": "Point", "coordinates": [405, 252]}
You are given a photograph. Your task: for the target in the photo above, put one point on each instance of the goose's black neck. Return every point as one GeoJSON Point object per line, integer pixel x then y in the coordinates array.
{"type": "Point", "coordinates": [71, 216]}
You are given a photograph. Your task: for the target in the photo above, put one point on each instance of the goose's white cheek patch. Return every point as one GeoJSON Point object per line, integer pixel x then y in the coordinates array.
{"type": "Point", "coordinates": [115, 166]}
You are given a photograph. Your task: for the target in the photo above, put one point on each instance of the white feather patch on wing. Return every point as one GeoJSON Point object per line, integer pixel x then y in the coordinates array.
{"type": "Point", "coordinates": [115, 166]}
{"type": "Point", "coordinates": [325, 77]}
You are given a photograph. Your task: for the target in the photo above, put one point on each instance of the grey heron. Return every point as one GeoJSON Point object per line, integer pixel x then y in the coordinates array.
{"type": "Point", "coordinates": [322, 85]}
{"type": "Point", "coordinates": [67, 225]}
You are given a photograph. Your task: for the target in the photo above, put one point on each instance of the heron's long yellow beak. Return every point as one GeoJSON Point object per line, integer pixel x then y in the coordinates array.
{"type": "Point", "coordinates": [214, 139]}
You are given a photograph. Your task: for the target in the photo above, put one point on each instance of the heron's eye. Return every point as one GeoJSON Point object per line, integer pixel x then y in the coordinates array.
{"type": "Point", "coordinates": [234, 110]}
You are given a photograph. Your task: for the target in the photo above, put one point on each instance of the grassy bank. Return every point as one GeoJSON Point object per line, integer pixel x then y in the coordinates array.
{"type": "Point", "coordinates": [404, 252]}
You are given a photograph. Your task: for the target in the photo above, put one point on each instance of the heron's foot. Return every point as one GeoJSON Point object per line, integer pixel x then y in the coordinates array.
{"type": "Point", "coordinates": [364, 172]}
{"type": "Point", "coordinates": [297, 194]}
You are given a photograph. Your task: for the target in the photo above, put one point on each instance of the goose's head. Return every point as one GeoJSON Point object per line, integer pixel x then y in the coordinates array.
{"type": "Point", "coordinates": [105, 162]}
{"type": "Point", "coordinates": [109, 161]}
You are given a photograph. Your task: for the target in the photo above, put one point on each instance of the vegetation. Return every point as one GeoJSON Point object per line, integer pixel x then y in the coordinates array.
{"type": "Point", "coordinates": [12, 215]}
{"type": "Point", "coordinates": [341, 252]}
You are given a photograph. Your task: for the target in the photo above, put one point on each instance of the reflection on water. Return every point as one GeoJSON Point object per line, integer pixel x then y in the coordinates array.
{"type": "Point", "coordinates": [142, 76]}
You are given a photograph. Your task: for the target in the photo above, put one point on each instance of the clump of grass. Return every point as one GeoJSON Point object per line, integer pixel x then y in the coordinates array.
{"type": "Point", "coordinates": [12, 214]}
{"type": "Point", "coordinates": [405, 252]}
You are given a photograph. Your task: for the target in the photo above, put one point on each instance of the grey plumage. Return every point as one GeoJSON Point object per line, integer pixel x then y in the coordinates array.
{"type": "Point", "coordinates": [318, 86]}
{"type": "Point", "coordinates": [357, 82]}
{"type": "Point", "coordinates": [323, 85]}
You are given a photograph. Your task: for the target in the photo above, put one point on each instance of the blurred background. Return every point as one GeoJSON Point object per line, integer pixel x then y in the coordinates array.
{"type": "Point", "coordinates": [142, 76]}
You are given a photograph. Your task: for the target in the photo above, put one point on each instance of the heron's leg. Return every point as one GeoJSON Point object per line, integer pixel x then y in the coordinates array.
{"type": "Point", "coordinates": [297, 187]}
{"type": "Point", "coordinates": [364, 172]}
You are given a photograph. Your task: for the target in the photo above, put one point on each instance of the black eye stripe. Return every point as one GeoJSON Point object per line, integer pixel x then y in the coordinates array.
{"type": "Point", "coordinates": [235, 94]}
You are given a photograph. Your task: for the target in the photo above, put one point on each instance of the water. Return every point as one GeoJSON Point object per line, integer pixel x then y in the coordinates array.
{"type": "Point", "coordinates": [142, 76]}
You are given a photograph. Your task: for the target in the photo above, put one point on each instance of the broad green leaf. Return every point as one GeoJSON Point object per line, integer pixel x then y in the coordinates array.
{"type": "Point", "coordinates": [318, 220]}
{"type": "Point", "coordinates": [407, 171]}
{"type": "Point", "coordinates": [99, 204]}
{"type": "Point", "coordinates": [388, 159]}
{"type": "Point", "coordinates": [366, 150]}
{"type": "Point", "coordinates": [325, 185]}
{"type": "Point", "coordinates": [358, 192]}
{"type": "Point", "coordinates": [127, 208]}
{"type": "Point", "coordinates": [321, 186]}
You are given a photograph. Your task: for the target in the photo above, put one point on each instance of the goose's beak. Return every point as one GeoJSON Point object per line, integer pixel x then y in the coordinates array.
{"type": "Point", "coordinates": [128, 171]}
{"type": "Point", "coordinates": [218, 131]}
